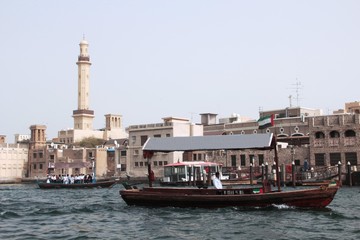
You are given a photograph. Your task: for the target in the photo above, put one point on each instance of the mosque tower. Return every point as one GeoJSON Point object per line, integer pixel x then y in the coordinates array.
{"type": "Point", "coordinates": [83, 116]}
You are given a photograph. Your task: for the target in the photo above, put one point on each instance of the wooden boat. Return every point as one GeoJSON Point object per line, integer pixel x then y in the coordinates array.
{"type": "Point", "coordinates": [232, 197]}
{"type": "Point", "coordinates": [102, 184]}
{"type": "Point", "coordinates": [319, 197]}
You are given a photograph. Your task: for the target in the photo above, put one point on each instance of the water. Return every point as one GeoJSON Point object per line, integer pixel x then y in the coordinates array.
{"type": "Point", "coordinates": [27, 212]}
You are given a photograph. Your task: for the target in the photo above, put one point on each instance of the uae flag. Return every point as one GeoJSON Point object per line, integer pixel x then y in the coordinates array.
{"type": "Point", "coordinates": [266, 122]}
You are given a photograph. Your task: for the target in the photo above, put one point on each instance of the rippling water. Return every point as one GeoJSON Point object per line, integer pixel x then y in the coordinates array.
{"type": "Point", "coordinates": [27, 212]}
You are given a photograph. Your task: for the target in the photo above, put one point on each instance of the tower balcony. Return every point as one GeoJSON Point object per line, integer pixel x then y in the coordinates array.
{"type": "Point", "coordinates": [83, 58]}
{"type": "Point", "coordinates": [83, 111]}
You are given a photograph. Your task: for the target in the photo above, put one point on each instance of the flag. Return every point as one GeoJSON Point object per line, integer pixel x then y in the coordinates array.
{"type": "Point", "coordinates": [266, 121]}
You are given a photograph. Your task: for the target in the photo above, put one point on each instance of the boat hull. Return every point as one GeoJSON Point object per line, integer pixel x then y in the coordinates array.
{"type": "Point", "coordinates": [104, 184]}
{"type": "Point", "coordinates": [213, 198]}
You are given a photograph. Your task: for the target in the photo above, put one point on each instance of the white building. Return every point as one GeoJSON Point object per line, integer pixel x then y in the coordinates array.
{"type": "Point", "coordinates": [13, 162]}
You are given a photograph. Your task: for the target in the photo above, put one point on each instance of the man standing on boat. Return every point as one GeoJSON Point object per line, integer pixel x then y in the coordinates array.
{"type": "Point", "coordinates": [216, 181]}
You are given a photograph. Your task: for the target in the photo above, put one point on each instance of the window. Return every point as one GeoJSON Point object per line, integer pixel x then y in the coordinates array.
{"type": "Point", "coordinates": [40, 155]}
{"type": "Point", "coordinates": [319, 135]}
{"type": "Point", "coordinates": [199, 157]}
{"type": "Point", "coordinates": [242, 160]}
{"type": "Point", "coordinates": [52, 157]}
{"type": "Point", "coordinates": [165, 162]}
{"type": "Point", "coordinates": [168, 135]}
{"type": "Point", "coordinates": [194, 157]}
{"type": "Point", "coordinates": [297, 162]}
{"type": "Point", "coordinates": [261, 159]}
{"type": "Point", "coordinates": [143, 139]}
{"type": "Point", "coordinates": [34, 167]}
{"type": "Point", "coordinates": [123, 153]}
{"type": "Point", "coordinates": [351, 157]}
{"type": "Point", "coordinates": [34, 155]}
{"type": "Point", "coordinates": [136, 164]}
{"type": "Point", "coordinates": [160, 163]}
{"type": "Point", "coordinates": [252, 159]}
{"type": "Point", "coordinates": [155, 163]}
{"type": "Point", "coordinates": [350, 133]}
{"type": "Point", "coordinates": [136, 152]}
{"type": "Point", "coordinates": [334, 134]}
{"type": "Point", "coordinates": [123, 167]}
{"type": "Point", "coordinates": [157, 136]}
{"type": "Point", "coordinates": [233, 160]}
{"type": "Point", "coordinates": [141, 164]}
{"type": "Point", "coordinates": [40, 166]}
{"type": "Point", "coordinates": [335, 158]}
{"type": "Point", "coordinates": [320, 159]}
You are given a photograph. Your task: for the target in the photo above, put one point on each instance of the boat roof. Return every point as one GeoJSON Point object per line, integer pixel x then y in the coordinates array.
{"type": "Point", "coordinates": [218, 142]}
{"type": "Point", "coordinates": [194, 163]}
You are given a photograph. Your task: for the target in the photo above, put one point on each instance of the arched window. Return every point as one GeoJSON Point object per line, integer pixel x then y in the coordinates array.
{"type": "Point", "coordinates": [334, 134]}
{"type": "Point", "coordinates": [350, 133]}
{"type": "Point", "coordinates": [297, 134]}
{"type": "Point", "coordinates": [319, 135]}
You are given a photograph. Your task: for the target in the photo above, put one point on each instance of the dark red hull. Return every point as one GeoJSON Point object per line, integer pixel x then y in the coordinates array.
{"type": "Point", "coordinates": [213, 198]}
{"type": "Point", "coordinates": [104, 184]}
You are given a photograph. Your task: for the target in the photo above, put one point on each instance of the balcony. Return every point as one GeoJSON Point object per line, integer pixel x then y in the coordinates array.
{"type": "Point", "coordinates": [334, 142]}
{"type": "Point", "coordinates": [319, 142]}
{"type": "Point", "coordinates": [349, 141]}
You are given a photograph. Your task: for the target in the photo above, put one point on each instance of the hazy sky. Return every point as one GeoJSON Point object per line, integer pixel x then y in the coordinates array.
{"type": "Point", "coordinates": [155, 59]}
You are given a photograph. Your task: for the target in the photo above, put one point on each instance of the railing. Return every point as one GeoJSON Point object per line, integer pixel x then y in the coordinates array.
{"type": "Point", "coordinates": [154, 125]}
{"type": "Point", "coordinates": [349, 141]}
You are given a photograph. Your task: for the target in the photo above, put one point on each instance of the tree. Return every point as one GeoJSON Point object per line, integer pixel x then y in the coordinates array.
{"type": "Point", "coordinates": [90, 142]}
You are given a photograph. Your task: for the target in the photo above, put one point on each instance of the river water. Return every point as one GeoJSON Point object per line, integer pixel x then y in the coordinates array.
{"type": "Point", "coordinates": [27, 212]}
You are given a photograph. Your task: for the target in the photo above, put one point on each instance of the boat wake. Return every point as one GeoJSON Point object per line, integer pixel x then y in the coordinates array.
{"type": "Point", "coordinates": [282, 206]}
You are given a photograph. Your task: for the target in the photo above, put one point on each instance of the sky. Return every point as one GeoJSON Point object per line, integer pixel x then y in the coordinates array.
{"type": "Point", "coordinates": [179, 58]}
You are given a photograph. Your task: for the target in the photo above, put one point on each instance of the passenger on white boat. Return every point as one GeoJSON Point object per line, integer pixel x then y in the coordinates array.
{"type": "Point", "coordinates": [216, 181]}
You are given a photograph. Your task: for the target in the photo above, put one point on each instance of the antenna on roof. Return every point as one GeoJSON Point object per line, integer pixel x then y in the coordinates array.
{"type": "Point", "coordinates": [297, 88]}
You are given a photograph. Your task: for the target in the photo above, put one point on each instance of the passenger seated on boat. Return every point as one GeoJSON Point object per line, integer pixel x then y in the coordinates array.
{"type": "Point", "coordinates": [72, 179]}
{"type": "Point", "coordinates": [216, 181]}
{"type": "Point", "coordinates": [48, 179]}
{"type": "Point", "coordinates": [66, 179]}
{"type": "Point", "coordinates": [87, 178]}
{"type": "Point", "coordinates": [81, 178]}
{"type": "Point", "coordinates": [53, 179]}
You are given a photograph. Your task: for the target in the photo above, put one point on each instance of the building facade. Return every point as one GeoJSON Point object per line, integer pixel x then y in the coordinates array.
{"type": "Point", "coordinates": [137, 165]}
{"type": "Point", "coordinates": [13, 162]}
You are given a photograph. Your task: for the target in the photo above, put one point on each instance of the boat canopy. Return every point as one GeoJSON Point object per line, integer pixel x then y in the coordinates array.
{"type": "Point", "coordinates": [193, 163]}
{"type": "Point", "coordinates": [202, 143]}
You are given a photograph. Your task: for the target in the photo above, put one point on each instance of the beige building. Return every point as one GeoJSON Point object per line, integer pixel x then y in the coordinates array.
{"type": "Point", "coordinates": [137, 166]}
{"type": "Point", "coordinates": [13, 162]}
{"type": "Point", "coordinates": [83, 116]}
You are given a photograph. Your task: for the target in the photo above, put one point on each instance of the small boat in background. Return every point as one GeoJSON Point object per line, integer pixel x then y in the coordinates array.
{"type": "Point", "coordinates": [101, 184]}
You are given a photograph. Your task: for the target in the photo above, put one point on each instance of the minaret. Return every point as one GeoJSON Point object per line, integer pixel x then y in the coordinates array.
{"type": "Point", "coordinates": [83, 117]}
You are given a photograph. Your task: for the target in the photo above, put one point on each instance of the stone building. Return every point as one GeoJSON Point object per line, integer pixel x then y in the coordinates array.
{"type": "Point", "coordinates": [37, 152]}
{"type": "Point", "coordinates": [309, 136]}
